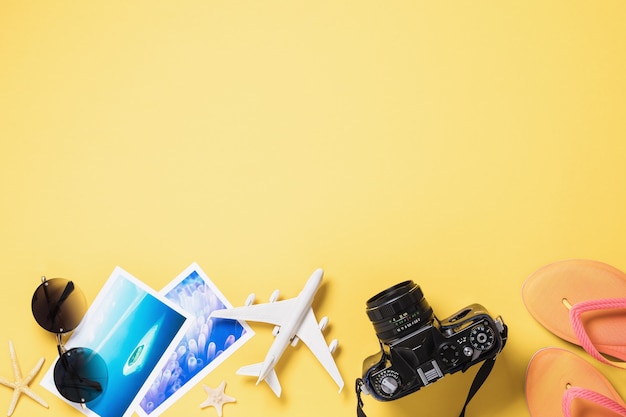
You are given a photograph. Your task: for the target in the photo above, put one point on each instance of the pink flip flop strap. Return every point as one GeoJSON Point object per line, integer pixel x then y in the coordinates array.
{"type": "Point", "coordinates": [577, 392]}
{"type": "Point", "coordinates": [579, 309]}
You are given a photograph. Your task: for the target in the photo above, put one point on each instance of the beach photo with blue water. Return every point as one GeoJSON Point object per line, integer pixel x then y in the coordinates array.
{"type": "Point", "coordinates": [205, 344]}
{"type": "Point", "coordinates": [134, 330]}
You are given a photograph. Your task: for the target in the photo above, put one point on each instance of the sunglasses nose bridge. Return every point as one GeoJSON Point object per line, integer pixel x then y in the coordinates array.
{"type": "Point", "coordinates": [60, 345]}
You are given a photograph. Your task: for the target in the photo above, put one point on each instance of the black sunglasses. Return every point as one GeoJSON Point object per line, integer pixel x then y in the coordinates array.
{"type": "Point", "coordinates": [80, 374]}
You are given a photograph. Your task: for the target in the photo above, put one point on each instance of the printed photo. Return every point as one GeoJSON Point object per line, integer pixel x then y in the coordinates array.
{"type": "Point", "coordinates": [205, 345]}
{"type": "Point", "coordinates": [135, 330]}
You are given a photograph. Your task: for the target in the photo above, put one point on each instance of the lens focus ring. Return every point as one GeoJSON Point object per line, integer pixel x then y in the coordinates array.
{"type": "Point", "coordinates": [392, 309]}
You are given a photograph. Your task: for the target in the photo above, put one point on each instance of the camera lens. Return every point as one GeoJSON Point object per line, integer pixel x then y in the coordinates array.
{"type": "Point", "coordinates": [398, 310]}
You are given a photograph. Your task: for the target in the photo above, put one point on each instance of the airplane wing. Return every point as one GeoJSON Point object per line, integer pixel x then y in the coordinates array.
{"type": "Point", "coordinates": [273, 313]}
{"type": "Point", "coordinates": [310, 333]}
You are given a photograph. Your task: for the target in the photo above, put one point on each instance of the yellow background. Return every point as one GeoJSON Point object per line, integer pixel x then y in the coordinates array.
{"type": "Point", "coordinates": [459, 144]}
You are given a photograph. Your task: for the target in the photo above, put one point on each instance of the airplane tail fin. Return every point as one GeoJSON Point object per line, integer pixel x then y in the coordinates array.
{"type": "Point", "coordinates": [255, 370]}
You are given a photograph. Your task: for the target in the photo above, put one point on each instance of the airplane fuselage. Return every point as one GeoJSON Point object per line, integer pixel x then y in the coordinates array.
{"type": "Point", "coordinates": [287, 331]}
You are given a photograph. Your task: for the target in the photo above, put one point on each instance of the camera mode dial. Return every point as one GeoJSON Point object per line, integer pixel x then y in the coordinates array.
{"type": "Point", "coordinates": [387, 382]}
{"type": "Point", "coordinates": [482, 337]}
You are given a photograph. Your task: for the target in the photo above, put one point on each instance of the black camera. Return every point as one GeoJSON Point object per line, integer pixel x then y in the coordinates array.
{"type": "Point", "coordinates": [418, 349]}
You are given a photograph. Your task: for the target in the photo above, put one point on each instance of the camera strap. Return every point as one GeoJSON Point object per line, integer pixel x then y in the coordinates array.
{"type": "Point", "coordinates": [359, 401]}
{"type": "Point", "coordinates": [479, 379]}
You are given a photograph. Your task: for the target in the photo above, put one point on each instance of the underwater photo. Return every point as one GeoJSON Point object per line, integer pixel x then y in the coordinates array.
{"type": "Point", "coordinates": [205, 344]}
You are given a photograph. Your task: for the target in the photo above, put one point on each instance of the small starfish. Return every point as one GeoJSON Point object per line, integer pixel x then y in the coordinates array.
{"type": "Point", "coordinates": [20, 385]}
{"type": "Point", "coordinates": [217, 398]}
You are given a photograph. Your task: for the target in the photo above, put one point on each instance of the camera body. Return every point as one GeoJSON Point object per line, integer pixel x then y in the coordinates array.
{"type": "Point", "coordinates": [418, 349]}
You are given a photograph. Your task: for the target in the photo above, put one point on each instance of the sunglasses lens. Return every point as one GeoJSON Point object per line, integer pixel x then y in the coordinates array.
{"type": "Point", "coordinates": [58, 306]}
{"type": "Point", "coordinates": [80, 375]}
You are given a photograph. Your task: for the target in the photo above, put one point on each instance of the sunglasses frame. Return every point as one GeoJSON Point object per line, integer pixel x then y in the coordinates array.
{"type": "Point", "coordinates": [72, 372]}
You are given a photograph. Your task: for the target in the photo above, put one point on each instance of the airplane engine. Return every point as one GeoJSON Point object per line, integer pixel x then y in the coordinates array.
{"type": "Point", "coordinates": [250, 299]}
{"type": "Point", "coordinates": [323, 323]}
{"type": "Point", "coordinates": [333, 345]}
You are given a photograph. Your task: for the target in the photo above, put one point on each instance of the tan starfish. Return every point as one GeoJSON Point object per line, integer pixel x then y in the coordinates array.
{"type": "Point", "coordinates": [217, 398]}
{"type": "Point", "coordinates": [20, 385]}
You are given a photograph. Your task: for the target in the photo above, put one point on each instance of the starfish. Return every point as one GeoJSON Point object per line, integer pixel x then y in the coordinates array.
{"type": "Point", "coordinates": [20, 385]}
{"type": "Point", "coordinates": [217, 398]}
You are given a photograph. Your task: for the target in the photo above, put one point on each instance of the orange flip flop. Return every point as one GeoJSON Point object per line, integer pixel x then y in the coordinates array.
{"type": "Point", "coordinates": [582, 302]}
{"type": "Point", "coordinates": [561, 383]}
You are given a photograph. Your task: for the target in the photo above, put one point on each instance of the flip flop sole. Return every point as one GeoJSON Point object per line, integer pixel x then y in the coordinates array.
{"type": "Point", "coordinates": [552, 371]}
{"type": "Point", "coordinates": [549, 290]}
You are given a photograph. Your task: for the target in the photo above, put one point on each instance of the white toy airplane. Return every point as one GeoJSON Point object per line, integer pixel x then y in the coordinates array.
{"type": "Point", "coordinates": [293, 319]}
